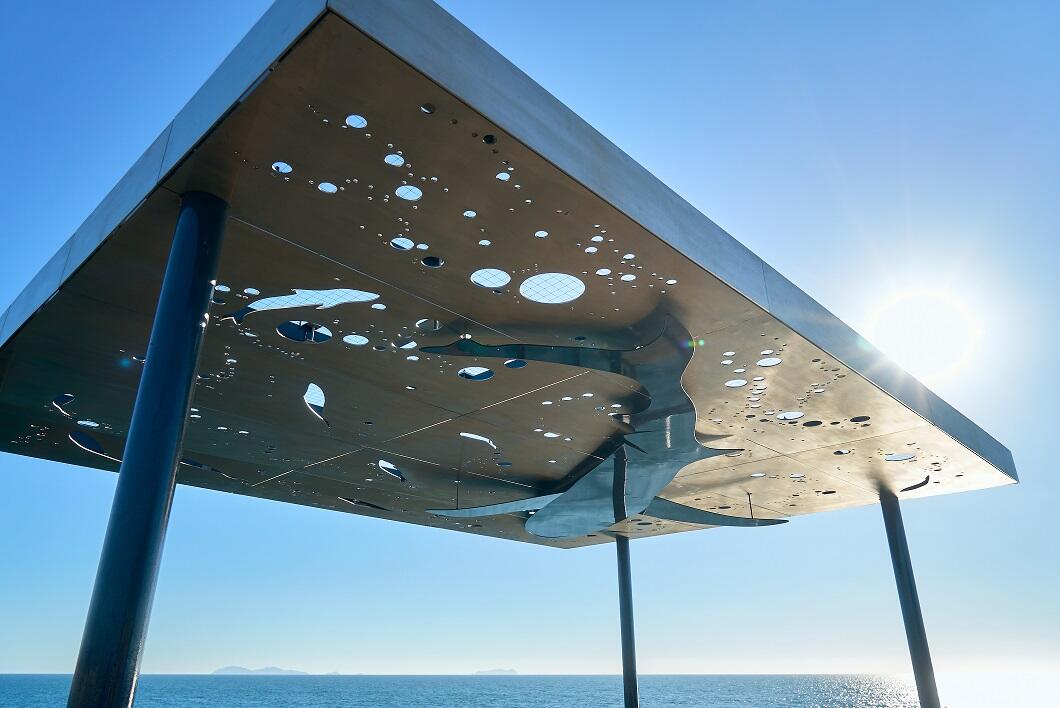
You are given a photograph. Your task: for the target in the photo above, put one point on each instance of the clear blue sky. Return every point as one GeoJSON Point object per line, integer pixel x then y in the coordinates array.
{"type": "Point", "coordinates": [865, 150]}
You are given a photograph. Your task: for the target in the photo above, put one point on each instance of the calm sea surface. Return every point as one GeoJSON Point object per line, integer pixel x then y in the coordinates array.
{"type": "Point", "coordinates": [31, 691]}
{"type": "Point", "coordinates": [969, 690]}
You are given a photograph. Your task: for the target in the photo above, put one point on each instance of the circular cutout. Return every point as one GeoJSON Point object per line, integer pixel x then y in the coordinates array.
{"type": "Point", "coordinates": [769, 361]}
{"type": "Point", "coordinates": [490, 278]}
{"type": "Point", "coordinates": [428, 325]}
{"type": "Point", "coordinates": [355, 121]}
{"type": "Point", "coordinates": [432, 261]}
{"type": "Point", "coordinates": [515, 363]}
{"type": "Point", "coordinates": [484, 242]}
{"type": "Point", "coordinates": [552, 288]}
{"type": "Point", "coordinates": [402, 244]}
{"type": "Point", "coordinates": [899, 456]}
{"type": "Point", "coordinates": [628, 277]}
{"type": "Point", "coordinates": [541, 234]}
{"type": "Point", "coordinates": [327, 188]}
{"type": "Point", "coordinates": [603, 271]}
{"type": "Point", "coordinates": [394, 160]}
{"type": "Point", "coordinates": [475, 373]}
{"type": "Point", "coordinates": [282, 168]}
{"type": "Point", "coordinates": [736, 383]}
{"type": "Point", "coordinates": [355, 340]}
{"type": "Point", "coordinates": [470, 213]}
{"type": "Point", "coordinates": [790, 415]}
{"type": "Point", "coordinates": [503, 176]}
{"type": "Point", "coordinates": [427, 108]}
{"type": "Point", "coordinates": [302, 331]}
{"type": "Point", "coordinates": [409, 193]}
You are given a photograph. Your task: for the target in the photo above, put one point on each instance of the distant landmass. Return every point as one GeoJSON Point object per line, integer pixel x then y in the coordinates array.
{"type": "Point", "coordinates": [497, 672]}
{"type": "Point", "coordinates": [263, 671]}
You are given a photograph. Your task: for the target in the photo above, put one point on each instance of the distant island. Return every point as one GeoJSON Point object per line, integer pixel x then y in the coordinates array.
{"type": "Point", "coordinates": [263, 671]}
{"type": "Point", "coordinates": [497, 672]}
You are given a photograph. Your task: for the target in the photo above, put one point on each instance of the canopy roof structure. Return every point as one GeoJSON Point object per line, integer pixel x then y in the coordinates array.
{"type": "Point", "coordinates": [445, 299]}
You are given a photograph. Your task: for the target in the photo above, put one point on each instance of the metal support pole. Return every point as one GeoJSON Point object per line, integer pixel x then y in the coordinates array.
{"type": "Point", "coordinates": [625, 591]}
{"type": "Point", "coordinates": [915, 633]}
{"type": "Point", "coordinates": [112, 644]}
{"type": "Point", "coordinates": [625, 606]}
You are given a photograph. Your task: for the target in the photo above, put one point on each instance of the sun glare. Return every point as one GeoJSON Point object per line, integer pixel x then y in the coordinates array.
{"type": "Point", "coordinates": [932, 334]}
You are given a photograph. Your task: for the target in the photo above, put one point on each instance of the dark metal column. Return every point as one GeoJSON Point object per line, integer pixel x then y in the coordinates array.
{"type": "Point", "coordinates": [625, 606]}
{"type": "Point", "coordinates": [109, 661]}
{"type": "Point", "coordinates": [625, 589]}
{"type": "Point", "coordinates": [915, 633]}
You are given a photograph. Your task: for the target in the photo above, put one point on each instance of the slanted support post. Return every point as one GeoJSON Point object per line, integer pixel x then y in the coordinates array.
{"type": "Point", "coordinates": [109, 661]}
{"type": "Point", "coordinates": [625, 596]}
{"type": "Point", "coordinates": [625, 607]}
{"type": "Point", "coordinates": [915, 633]}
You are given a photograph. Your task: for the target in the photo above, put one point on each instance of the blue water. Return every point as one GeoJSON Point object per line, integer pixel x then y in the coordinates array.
{"type": "Point", "coordinates": [847, 691]}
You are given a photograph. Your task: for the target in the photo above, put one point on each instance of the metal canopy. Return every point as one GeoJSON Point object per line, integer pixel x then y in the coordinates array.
{"type": "Point", "coordinates": [344, 357]}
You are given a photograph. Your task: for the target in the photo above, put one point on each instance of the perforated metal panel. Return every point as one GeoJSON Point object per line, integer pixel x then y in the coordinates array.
{"type": "Point", "coordinates": [376, 219]}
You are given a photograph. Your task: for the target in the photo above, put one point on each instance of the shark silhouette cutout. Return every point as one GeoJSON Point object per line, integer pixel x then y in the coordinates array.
{"type": "Point", "coordinates": [302, 297]}
{"type": "Point", "coordinates": [650, 447]}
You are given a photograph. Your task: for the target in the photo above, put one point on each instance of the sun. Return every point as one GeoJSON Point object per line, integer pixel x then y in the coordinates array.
{"type": "Point", "coordinates": [931, 333]}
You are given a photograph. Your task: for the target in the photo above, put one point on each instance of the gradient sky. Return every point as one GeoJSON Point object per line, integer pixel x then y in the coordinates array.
{"type": "Point", "coordinates": [864, 150]}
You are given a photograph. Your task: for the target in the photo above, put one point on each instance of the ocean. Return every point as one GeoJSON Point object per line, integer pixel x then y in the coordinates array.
{"type": "Point", "coordinates": [802, 691]}
{"type": "Point", "coordinates": [162, 691]}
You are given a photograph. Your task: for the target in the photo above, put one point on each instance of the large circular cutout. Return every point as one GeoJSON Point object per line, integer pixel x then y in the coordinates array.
{"type": "Point", "coordinates": [490, 278]}
{"type": "Point", "coordinates": [552, 288]}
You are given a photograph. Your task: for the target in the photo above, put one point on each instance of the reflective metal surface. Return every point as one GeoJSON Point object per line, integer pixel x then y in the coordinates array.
{"type": "Point", "coordinates": [390, 248]}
